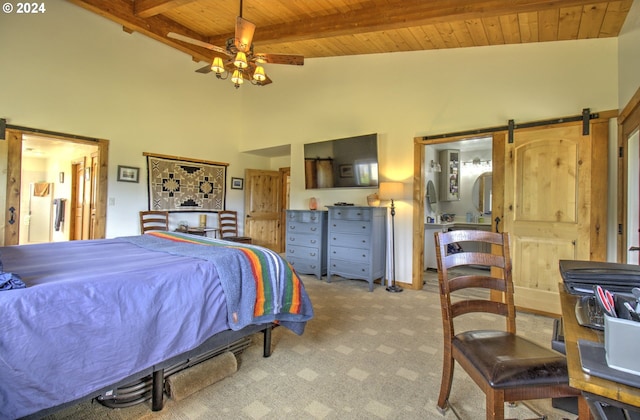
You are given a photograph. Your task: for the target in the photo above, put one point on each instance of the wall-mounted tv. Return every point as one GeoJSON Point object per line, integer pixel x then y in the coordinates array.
{"type": "Point", "coordinates": [350, 162]}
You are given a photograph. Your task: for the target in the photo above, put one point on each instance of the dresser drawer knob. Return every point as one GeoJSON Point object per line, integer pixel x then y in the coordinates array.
{"type": "Point", "coordinates": [314, 229]}
{"type": "Point", "coordinates": [312, 254]}
{"type": "Point", "coordinates": [313, 241]}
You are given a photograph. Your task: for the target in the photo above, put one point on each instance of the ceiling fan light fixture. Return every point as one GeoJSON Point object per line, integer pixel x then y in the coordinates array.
{"type": "Point", "coordinates": [240, 60]}
{"type": "Point", "coordinates": [236, 78]}
{"type": "Point", "coordinates": [217, 65]}
{"type": "Point", "coordinates": [259, 75]}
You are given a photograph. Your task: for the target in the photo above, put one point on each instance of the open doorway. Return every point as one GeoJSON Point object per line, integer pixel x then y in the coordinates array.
{"type": "Point", "coordinates": [460, 172]}
{"type": "Point", "coordinates": [457, 178]}
{"type": "Point", "coordinates": [41, 181]}
{"type": "Point", "coordinates": [53, 195]}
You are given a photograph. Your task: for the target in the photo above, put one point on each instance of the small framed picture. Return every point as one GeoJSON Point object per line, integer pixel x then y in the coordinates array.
{"type": "Point", "coordinates": [346, 171]}
{"type": "Point", "coordinates": [128, 174]}
{"type": "Point", "coordinates": [237, 183]}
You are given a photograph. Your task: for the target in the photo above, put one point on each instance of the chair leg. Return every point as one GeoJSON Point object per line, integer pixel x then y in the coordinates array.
{"type": "Point", "coordinates": [584, 412]}
{"type": "Point", "coordinates": [495, 405]}
{"type": "Point", "coordinates": [445, 384]}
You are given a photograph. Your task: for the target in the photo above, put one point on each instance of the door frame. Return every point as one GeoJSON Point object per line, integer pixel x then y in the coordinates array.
{"type": "Point", "coordinates": [14, 135]}
{"type": "Point", "coordinates": [500, 136]}
{"type": "Point", "coordinates": [628, 122]}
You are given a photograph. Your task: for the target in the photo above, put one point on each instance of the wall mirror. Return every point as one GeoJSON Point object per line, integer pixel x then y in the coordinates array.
{"type": "Point", "coordinates": [481, 192]}
{"type": "Point", "coordinates": [432, 198]}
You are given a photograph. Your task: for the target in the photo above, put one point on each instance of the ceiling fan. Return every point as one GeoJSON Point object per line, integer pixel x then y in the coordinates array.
{"type": "Point", "coordinates": [240, 60]}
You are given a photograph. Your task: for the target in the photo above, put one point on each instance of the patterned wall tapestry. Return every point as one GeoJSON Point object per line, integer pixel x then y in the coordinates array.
{"type": "Point", "coordinates": [177, 184]}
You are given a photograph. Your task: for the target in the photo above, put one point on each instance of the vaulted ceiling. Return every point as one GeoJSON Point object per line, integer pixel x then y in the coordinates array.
{"type": "Point", "coordinates": [326, 28]}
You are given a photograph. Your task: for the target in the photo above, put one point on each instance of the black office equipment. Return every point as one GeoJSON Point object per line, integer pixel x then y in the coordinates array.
{"type": "Point", "coordinates": [579, 277]}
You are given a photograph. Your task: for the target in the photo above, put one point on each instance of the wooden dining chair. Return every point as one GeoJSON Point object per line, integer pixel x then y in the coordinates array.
{"type": "Point", "coordinates": [506, 367]}
{"type": "Point", "coordinates": [228, 227]}
{"type": "Point", "coordinates": [154, 220]}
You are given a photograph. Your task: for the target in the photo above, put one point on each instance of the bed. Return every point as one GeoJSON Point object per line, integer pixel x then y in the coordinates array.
{"type": "Point", "coordinates": [99, 312]}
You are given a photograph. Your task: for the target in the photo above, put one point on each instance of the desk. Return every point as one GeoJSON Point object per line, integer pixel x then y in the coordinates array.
{"type": "Point", "coordinates": [577, 378]}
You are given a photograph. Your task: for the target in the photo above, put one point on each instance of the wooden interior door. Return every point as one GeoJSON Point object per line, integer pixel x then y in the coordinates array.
{"type": "Point", "coordinates": [629, 182]}
{"type": "Point", "coordinates": [77, 201]}
{"type": "Point", "coordinates": [263, 208]}
{"type": "Point", "coordinates": [93, 200]}
{"type": "Point", "coordinates": [633, 201]}
{"type": "Point", "coordinates": [547, 208]}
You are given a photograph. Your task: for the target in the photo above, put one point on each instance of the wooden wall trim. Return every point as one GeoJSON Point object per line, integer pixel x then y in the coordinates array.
{"type": "Point", "coordinates": [628, 122]}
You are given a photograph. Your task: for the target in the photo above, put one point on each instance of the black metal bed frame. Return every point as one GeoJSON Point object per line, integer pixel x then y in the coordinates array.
{"type": "Point", "coordinates": [135, 385]}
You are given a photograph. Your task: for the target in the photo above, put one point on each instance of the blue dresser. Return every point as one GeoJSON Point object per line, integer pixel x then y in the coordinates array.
{"type": "Point", "coordinates": [306, 241]}
{"type": "Point", "coordinates": [357, 243]}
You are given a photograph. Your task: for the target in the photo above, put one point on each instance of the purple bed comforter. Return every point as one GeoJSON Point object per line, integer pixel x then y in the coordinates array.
{"type": "Point", "coordinates": [95, 312]}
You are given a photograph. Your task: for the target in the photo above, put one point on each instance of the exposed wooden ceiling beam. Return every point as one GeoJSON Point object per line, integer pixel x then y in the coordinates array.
{"type": "Point", "coordinates": [395, 14]}
{"type": "Point", "coordinates": [148, 8]}
{"type": "Point", "coordinates": [155, 27]}
{"type": "Point", "coordinates": [146, 17]}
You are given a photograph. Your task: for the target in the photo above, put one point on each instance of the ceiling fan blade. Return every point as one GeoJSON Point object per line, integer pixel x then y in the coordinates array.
{"type": "Point", "coordinates": [204, 70]}
{"type": "Point", "coordinates": [197, 42]}
{"type": "Point", "coordinates": [244, 34]}
{"type": "Point", "coordinates": [297, 60]}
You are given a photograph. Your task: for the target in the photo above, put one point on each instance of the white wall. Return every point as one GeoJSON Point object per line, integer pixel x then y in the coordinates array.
{"type": "Point", "coordinates": [629, 56]}
{"type": "Point", "coordinates": [71, 71]}
{"type": "Point", "coordinates": [404, 95]}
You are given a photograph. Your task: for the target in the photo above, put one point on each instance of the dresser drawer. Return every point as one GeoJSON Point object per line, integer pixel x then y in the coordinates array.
{"type": "Point", "coordinates": [303, 239]}
{"type": "Point", "coordinates": [349, 240]}
{"type": "Point", "coordinates": [351, 213]}
{"type": "Point", "coordinates": [303, 252]}
{"type": "Point", "coordinates": [305, 217]}
{"type": "Point", "coordinates": [350, 254]}
{"type": "Point", "coordinates": [304, 227]}
{"type": "Point", "coordinates": [360, 227]}
{"type": "Point", "coordinates": [349, 269]}
{"type": "Point", "coordinates": [306, 267]}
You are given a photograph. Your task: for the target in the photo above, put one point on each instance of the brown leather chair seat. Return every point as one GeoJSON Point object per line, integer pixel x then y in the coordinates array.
{"type": "Point", "coordinates": [506, 366]}
{"type": "Point", "coordinates": [507, 360]}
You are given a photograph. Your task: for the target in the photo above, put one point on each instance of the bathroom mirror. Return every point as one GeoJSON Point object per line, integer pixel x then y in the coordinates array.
{"type": "Point", "coordinates": [431, 196]}
{"type": "Point", "coordinates": [481, 193]}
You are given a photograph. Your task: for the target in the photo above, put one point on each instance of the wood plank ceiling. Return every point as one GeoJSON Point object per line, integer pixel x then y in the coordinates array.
{"type": "Point", "coordinates": [326, 28]}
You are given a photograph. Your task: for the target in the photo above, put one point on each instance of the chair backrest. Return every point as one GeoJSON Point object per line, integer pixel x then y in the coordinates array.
{"type": "Point", "coordinates": [487, 254]}
{"type": "Point", "coordinates": [154, 220]}
{"type": "Point", "coordinates": [228, 223]}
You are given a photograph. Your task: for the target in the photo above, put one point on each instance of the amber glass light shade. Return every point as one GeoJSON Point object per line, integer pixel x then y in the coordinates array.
{"type": "Point", "coordinates": [217, 65]}
{"type": "Point", "coordinates": [241, 60]}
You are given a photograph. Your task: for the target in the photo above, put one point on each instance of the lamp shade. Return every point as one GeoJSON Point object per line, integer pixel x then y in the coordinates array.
{"type": "Point", "coordinates": [391, 190]}
{"type": "Point", "coordinates": [217, 65]}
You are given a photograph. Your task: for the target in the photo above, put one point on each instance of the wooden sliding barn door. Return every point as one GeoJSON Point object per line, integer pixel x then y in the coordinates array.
{"type": "Point", "coordinates": [552, 175]}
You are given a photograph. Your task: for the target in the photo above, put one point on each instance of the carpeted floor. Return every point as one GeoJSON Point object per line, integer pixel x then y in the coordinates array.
{"type": "Point", "coordinates": [364, 356]}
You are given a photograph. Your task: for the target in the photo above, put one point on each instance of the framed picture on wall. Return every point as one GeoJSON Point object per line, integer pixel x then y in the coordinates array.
{"type": "Point", "coordinates": [128, 174]}
{"type": "Point", "coordinates": [237, 183]}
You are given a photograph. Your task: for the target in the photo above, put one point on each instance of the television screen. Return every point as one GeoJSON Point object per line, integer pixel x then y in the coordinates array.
{"type": "Point", "coordinates": [342, 163]}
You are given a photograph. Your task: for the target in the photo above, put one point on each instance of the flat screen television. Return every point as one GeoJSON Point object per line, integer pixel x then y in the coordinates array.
{"type": "Point", "coordinates": [350, 162]}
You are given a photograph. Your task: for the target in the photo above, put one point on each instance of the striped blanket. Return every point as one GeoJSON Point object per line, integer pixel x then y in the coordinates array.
{"type": "Point", "coordinates": [259, 285]}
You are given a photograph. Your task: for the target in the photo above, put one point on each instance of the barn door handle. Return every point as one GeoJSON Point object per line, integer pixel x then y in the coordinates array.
{"type": "Point", "coordinates": [12, 219]}
{"type": "Point", "coordinates": [497, 220]}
